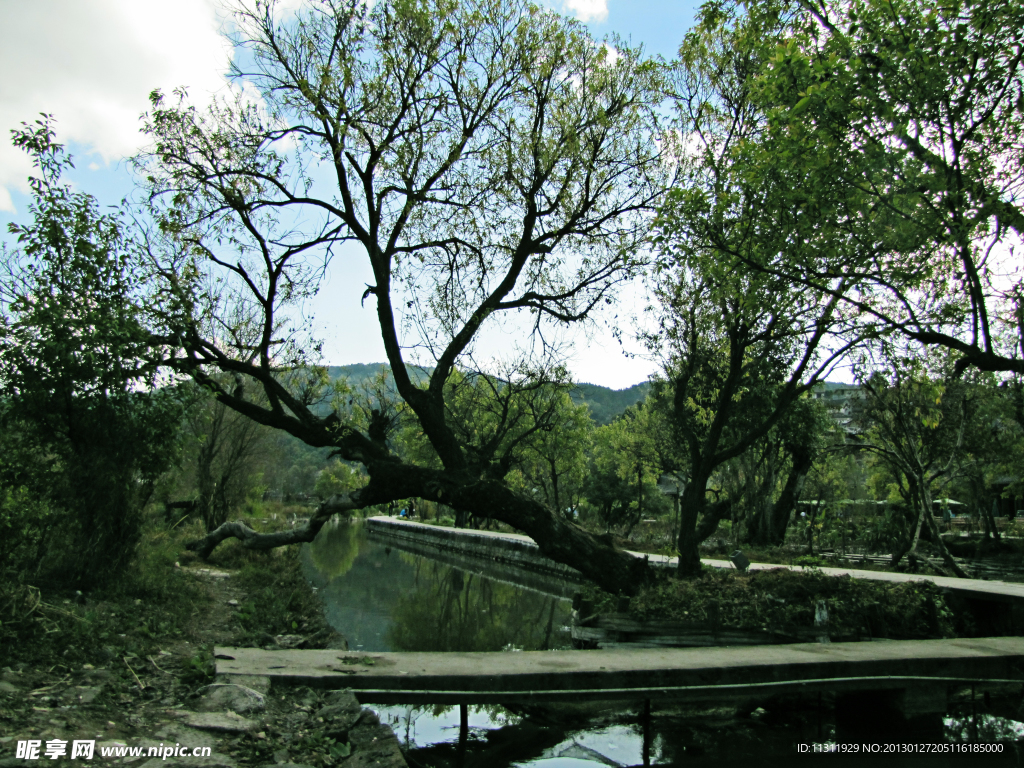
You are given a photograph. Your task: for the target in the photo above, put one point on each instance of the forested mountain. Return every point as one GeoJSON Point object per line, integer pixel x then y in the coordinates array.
{"type": "Point", "coordinates": [604, 403]}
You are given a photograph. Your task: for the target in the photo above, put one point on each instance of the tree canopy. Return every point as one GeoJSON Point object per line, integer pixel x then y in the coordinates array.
{"type": "Point", "coordinates": [486, 157]}
{"type": "Point", "coordinates": [897, 124]}
{"type": "Point", "coordinates": [804, 179]}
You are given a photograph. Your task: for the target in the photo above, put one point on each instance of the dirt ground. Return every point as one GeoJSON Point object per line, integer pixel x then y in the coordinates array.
{"type": "Point", "coordinates": [170, 698]}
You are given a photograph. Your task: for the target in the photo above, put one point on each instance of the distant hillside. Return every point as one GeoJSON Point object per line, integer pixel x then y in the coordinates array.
{"type": "Point", "coordinates": [604, 403]}
{"type": "Point", "coordinates": [832, 385]}
{"type": "Point", "coordinates": [361, 373]}
{"type": "Point", "coordinates": [356, 373]}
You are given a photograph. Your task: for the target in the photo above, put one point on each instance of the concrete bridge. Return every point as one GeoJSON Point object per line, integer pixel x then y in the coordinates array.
{"type": "Point", "coordinates": [697, 674]}
{"type": "Point", "coordinates": [893, 690]}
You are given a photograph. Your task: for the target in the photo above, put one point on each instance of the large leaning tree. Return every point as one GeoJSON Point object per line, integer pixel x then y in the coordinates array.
{"type": "Point", "coordinates": [487, 159]}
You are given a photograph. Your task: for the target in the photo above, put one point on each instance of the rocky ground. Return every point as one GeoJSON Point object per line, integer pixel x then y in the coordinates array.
{"type": "Point", "coordinates": [169, 697]}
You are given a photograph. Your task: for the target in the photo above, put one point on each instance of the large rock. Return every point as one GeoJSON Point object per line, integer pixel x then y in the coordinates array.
{"type": "Point", "coordinates": [341, 712]}
{"type": "Point", "coordinates": [374, 746]}
{"type": "Point", "coordinates": [224, 722]}
{"type": "Point", "coordinates": [226, 697]}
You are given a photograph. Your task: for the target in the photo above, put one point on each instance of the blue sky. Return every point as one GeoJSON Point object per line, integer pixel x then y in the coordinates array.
{"type": "Point", "coordinates": [92, 65]}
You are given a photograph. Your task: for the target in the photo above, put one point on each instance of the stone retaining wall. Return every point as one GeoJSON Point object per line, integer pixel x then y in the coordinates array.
{"type": "Point", "coordinates": [514, 551]}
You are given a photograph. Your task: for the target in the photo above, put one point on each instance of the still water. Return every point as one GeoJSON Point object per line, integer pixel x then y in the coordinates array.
{"type": "Point", "coordinates": [384, 599]}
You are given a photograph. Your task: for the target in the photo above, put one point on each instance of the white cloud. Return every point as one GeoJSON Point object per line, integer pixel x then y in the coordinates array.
{"type": "Point", "coordinates": [92, 65]}
{"type": "Point", "coordinates": [587, 10]}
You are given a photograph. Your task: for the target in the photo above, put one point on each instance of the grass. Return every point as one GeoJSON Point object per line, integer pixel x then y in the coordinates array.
{"type": "Point", "coordinates": [280, 601]}
{"type": "Point", "coordinates": [152, 601]}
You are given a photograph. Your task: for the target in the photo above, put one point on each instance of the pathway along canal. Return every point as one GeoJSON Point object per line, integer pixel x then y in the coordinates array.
{"type": "Point", "coordinates": [382, 598]}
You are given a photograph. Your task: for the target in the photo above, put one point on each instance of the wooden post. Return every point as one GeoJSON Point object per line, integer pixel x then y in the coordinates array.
{"type": "Point", "coordinates": [463, 733]}
{"type": "Point", "coordinates": [646, 724]}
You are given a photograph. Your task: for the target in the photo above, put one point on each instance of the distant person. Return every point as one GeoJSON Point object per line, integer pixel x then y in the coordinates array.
{"type": "Point", "coordinates": [947, 517]}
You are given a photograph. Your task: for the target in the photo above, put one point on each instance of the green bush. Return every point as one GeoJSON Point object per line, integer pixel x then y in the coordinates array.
{"type": "Point", "coordinates": [24, 523]}
{"type": "Point", "coordinates": [84, 428]}
{"type": "Point", "coordinates": [780, 600]}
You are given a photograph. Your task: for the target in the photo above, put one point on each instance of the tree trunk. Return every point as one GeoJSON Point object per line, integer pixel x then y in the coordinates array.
{"type": "Point", "coordinates": [911, 550]}
{"type": "Point", "coordinates": [674, 533]}
{"type": "Point", "coordinates": [205, 482]}
{"type": "Point", "coordinates": [554, 489]}
{"type": "Point", "coordinates": [640, 489]}
{"type": "Point", "coordinates": [900, 553]}
{"type": "Point", "coordinates": [713, 515]}
{"type": "Point", "coordinates": [559, 539]}
{"type": "Point", "coordinates": [689, 554]}
{"type": "Point", "coordinates": [783, 508]}
{"type": "Point", "coordinates": [989, 515]}
{"type": "Point", "coordinates": [925, 518]}
{"type": "Point", "coordinates": [947, 556]}
{"type": "Point", "coordinates": [697, 521]}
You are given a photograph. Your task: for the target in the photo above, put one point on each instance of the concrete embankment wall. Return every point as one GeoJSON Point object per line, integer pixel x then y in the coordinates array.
{"type": "Point", "coordinates": [512, 551]}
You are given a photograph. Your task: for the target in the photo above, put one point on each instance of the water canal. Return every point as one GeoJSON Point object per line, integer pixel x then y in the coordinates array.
{"type": "Point", "coordinates": [382, 598]}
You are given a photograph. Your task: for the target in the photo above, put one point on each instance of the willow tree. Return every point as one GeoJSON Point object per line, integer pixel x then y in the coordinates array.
{"type": "Point", "coordinates": [486, 158]}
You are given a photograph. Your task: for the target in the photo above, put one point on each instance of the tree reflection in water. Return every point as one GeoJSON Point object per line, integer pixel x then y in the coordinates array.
{"type": "Point", "coordinates": [383, 599]}
{"type": "Point", "coordinates": [446, 609]}
{"type": "Point", "coordinates": [335, 549]}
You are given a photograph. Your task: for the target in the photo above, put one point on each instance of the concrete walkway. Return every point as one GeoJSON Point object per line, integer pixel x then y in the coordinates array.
{"type": "Point", "coordinates": [1001, 591]}
{"type": "Point", "coordinates": [698, 674]}
{"type": "Point", "coordinates": [977, 588]}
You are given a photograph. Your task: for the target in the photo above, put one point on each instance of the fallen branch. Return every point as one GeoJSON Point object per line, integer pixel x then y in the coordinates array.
{"type": "Point", "coordinates": [142, 685]}
{"type": "Point", "coordinates": [153, 662]}
{"type": "Point", "coordinates": [251, 539]}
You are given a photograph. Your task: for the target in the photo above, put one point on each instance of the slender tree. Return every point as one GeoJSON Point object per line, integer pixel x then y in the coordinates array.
{"type": "Point", "coordinates": [740, 344]}
{"type": "Point", "coordinates": [918, 411]}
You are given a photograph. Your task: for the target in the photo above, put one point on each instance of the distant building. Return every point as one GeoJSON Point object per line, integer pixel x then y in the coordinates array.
{"type": "Point", "coordinates": [844, 403]}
